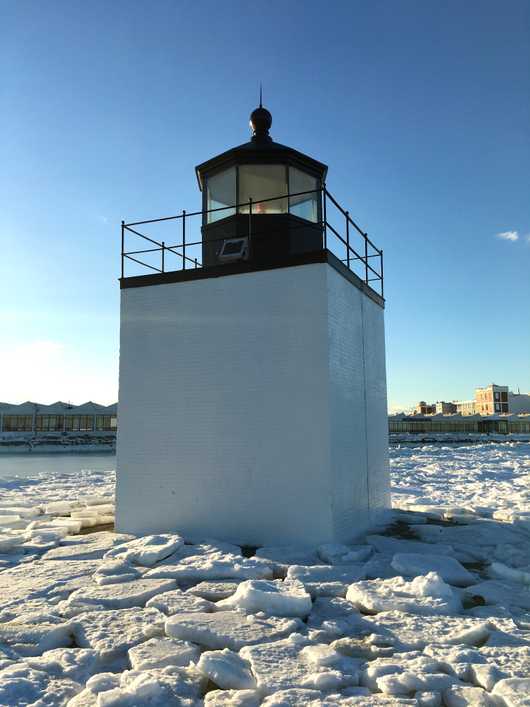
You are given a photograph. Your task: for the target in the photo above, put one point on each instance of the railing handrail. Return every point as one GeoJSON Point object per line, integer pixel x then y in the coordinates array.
{"type": "Point", "coordinates": [351, 253]}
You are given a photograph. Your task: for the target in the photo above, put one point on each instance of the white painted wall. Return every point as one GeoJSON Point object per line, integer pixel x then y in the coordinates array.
{"type": "Point", "coordinates": [243, 409]}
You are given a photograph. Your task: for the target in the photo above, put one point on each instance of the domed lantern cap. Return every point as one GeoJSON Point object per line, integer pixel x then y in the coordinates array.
{"type": "Point", "coordinates": [260, 149]}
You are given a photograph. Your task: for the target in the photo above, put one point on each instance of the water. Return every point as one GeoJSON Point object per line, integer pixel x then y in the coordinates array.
{"type": "Point", "coordinates": [32, 465]}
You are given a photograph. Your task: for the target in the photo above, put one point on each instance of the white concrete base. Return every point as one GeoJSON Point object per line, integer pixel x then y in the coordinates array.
{"type": "Point", "coordinates": [253, 408]}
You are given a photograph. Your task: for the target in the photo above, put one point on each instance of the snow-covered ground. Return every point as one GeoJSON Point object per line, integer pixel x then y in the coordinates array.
{"type": "Point", "coordinates": [432, 610]}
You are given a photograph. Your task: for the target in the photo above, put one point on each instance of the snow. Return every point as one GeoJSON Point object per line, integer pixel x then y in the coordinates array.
{"type": "Point", "coordinates": [433, 609]}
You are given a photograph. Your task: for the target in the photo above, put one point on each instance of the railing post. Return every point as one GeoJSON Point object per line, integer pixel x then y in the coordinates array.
{"type": "Point", "coordinates": [365, 259]}
{"type": "Point", "coordinates": [163, 255]}
{"type": "Point", "coordinates": [382, 278]}
{"type": "Point", "coordinates": [184, 238]}
{"type": "Point", "coordinates": [195, 263]}
{"type": "Point", "coordinates": [324, 215]}
{"type": "Point", "coordinates": [348, 238]}
{"type": "Point", "coordinates": [249, 223]}
{"type": "Point", "coordinates": [122, 248]}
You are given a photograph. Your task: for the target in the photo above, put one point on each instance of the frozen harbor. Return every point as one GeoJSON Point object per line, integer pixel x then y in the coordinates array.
{"type": "Point", "coordinates": [433, 609]}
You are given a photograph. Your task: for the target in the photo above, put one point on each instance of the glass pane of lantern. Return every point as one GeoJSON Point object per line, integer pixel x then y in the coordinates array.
{"type": "Point", "coordinates": [263, 181]}
{"type": "Point", "coordinates": [306, 205]}
{"type": "Point", "coordinates": [221, 191]}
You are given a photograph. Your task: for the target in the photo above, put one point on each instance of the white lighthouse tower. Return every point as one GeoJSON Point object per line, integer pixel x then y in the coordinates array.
{"type": "Point", "coordinates": [252, 401]}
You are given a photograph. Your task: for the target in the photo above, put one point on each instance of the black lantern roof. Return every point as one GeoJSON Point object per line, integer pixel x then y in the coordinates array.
{"type": "Point", "coordinates": [260, 149]}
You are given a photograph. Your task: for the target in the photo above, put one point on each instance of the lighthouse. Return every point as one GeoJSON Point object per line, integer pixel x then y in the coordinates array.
{"type": "Point", "coordinates": [252, 403]}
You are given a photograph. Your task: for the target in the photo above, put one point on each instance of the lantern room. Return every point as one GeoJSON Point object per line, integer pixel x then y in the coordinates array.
{"type": "Point", "coordinates": [262, 201]}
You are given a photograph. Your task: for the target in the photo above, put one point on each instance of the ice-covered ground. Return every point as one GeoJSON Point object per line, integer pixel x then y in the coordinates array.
{"type": "Point", "coordinates": [433, 610]}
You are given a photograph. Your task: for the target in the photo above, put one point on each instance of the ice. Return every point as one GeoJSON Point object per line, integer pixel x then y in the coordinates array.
{"type": "Point", "coordinates": [227, 670]}
{"type": "Point", "coordinates": [156, 688]}
{"type": "Point", "coordinates": [34, 639]}
{"type": "Point", "coordinates": [413, 631]}
{"type": "Point", "coordinates": [123, 595]}
{"type": "Point", "coordinates": [286, 664]}
{"type": "Point", "coordinates": [386, 544]}
{"type": "Point", "coordinates": [515, 692]}
{"type": "Point", "coordinates": [285, 555]}
{"type": "Point", "coordinates": [405, 683]}
{"type": "Point", "coordinates": [9, 542]}
{"type": "Point", "coordinates": [115, 571]}
{"type": "Point", "coordinates": [323, 580]}
{"type": "Point", "coordinates": [103, 682]}
{"type": "Point", "coordinates": [85, 547]}
{"type": "Point", "coordinates": [146, 551]}
{"type": "Point", "coordinates": [503, 593]}
{"type": "Point", "coordinates": [228, 629]}
{"type": "Point", "coordinates": [501, 571]}
{"type": "Point", "coordinates": [178, 602]}
{"type": "Point", "coordinates": [161, 652]}
{"type": "Point", "coordinates": [295, 697]}
{"type": "Point", "coordinates": [336, 554]}
{"type": "Point", "coordinates": [78, 664]}
{"type": "Point", "coordinates": [232, 698]}
{"type": "Point", "coordinates": [214, 566]}
{"type": "Point", "coordinates": [112, 633]}
{"type": "Point", "coordinates": [276, 597]}
{"type": "Point", "coordinates": [463, 696]}
{"type": "Point", "coordinates": [449, 569]}
{"type": "Point", "coordinates": [423, 595]}
{"type": "Point", "coordinates": [21, 685]}
{"type": "Point", "coordinates": [214, 590]}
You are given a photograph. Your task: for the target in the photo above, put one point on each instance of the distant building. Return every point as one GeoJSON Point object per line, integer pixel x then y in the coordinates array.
{"type": "Point", "coordinates": [492, 400]}
{"type": "Point", "coordinates": [443, 408]}
{"type": "Point", "coordinates": [466, 407]}
{"type": "Point", "coordinates": [460, 424]}
{"type": "Point", "coordinates": [422, 408]}
{"type": "Point", "coordinates": [58, 418]}
{"type": "Point", "coordinates": [519, 403]}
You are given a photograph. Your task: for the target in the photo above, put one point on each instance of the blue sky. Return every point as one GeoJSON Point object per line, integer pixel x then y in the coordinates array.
{"type": "Point", "coordinates": [420, 109]}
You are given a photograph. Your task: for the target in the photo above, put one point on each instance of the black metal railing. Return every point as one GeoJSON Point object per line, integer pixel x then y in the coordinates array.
{"type": "Point", "coordinates": [340, 235]}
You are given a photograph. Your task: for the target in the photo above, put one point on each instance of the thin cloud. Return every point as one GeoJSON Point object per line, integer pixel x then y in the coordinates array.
{"type": "Point", "coordinates": [508, 236]}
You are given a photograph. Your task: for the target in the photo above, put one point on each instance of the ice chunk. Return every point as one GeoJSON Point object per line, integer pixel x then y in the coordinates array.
{"type": "Point", "coordinates": [273, 597]}
{"type": "Point", "coordinates": [336, 554]}
{"type": "Point", "coordinates": [124, 595]}
{"type": "Point", "coordinates": [112, 633]}
{"type": "Point", "coordinates": [284, 664]}
{"type": "Point", "coordinates": [449, 569]}
{"type": "Point", "coordinates": [161, 652]}
{"type": "Point", "coordinates": [146, 551]}
{"type": "Point", "coordinates": [502, 571]}
{"type": "Point", "coordinates": [11, 542]}
{"type": "Point", "coordinates": [61, 507]}
{"type": "Point", "coordinates": [294, 697]}
{"type": "Point", "coordinates": [405, 683]}
{"type": "Point", "coordinates": [21, 685]}
{"type": "Point", "coordinates": [115, 571]}
{"type": "Point", "coordinates": [515, 692]}
{"type": "Point", "coordinates": [410, 631]}
{"type": "Point", "coordinates": [227, 670]}
{"type": "Point", "coordinates": [179, 602]}
{"type": "Point", "coordinates": [157, 688]}
{"type": "Point", "coordinates": [101, 683]}
{"type": "Point", "coordinates": [228, 629]}
{"type": "Point", "coordinates": [78, 664]}
{"type": "Point", "coordinates": [232, 698]}
{"type": "Point", "coordinates": [214, 590]}
{"type": "Point", "coordinates": [86, 547]}
{"type": "Point", "coordinates": [34, 639]}
{"type": "Point", "coordinates": [463, 696]}
{"type": "Point", "coordinates": [323, 580]}
{"type": "Point", "coordinates": [503, 593]}
{"type": "Point", "coordinates": [214, 566]}
{"type": "Point", "coordinates": [282, 555]}
{"type": "Point", "coordinates": [383, 543]}
{"type": "Point", "coordinates": [423, 595]}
